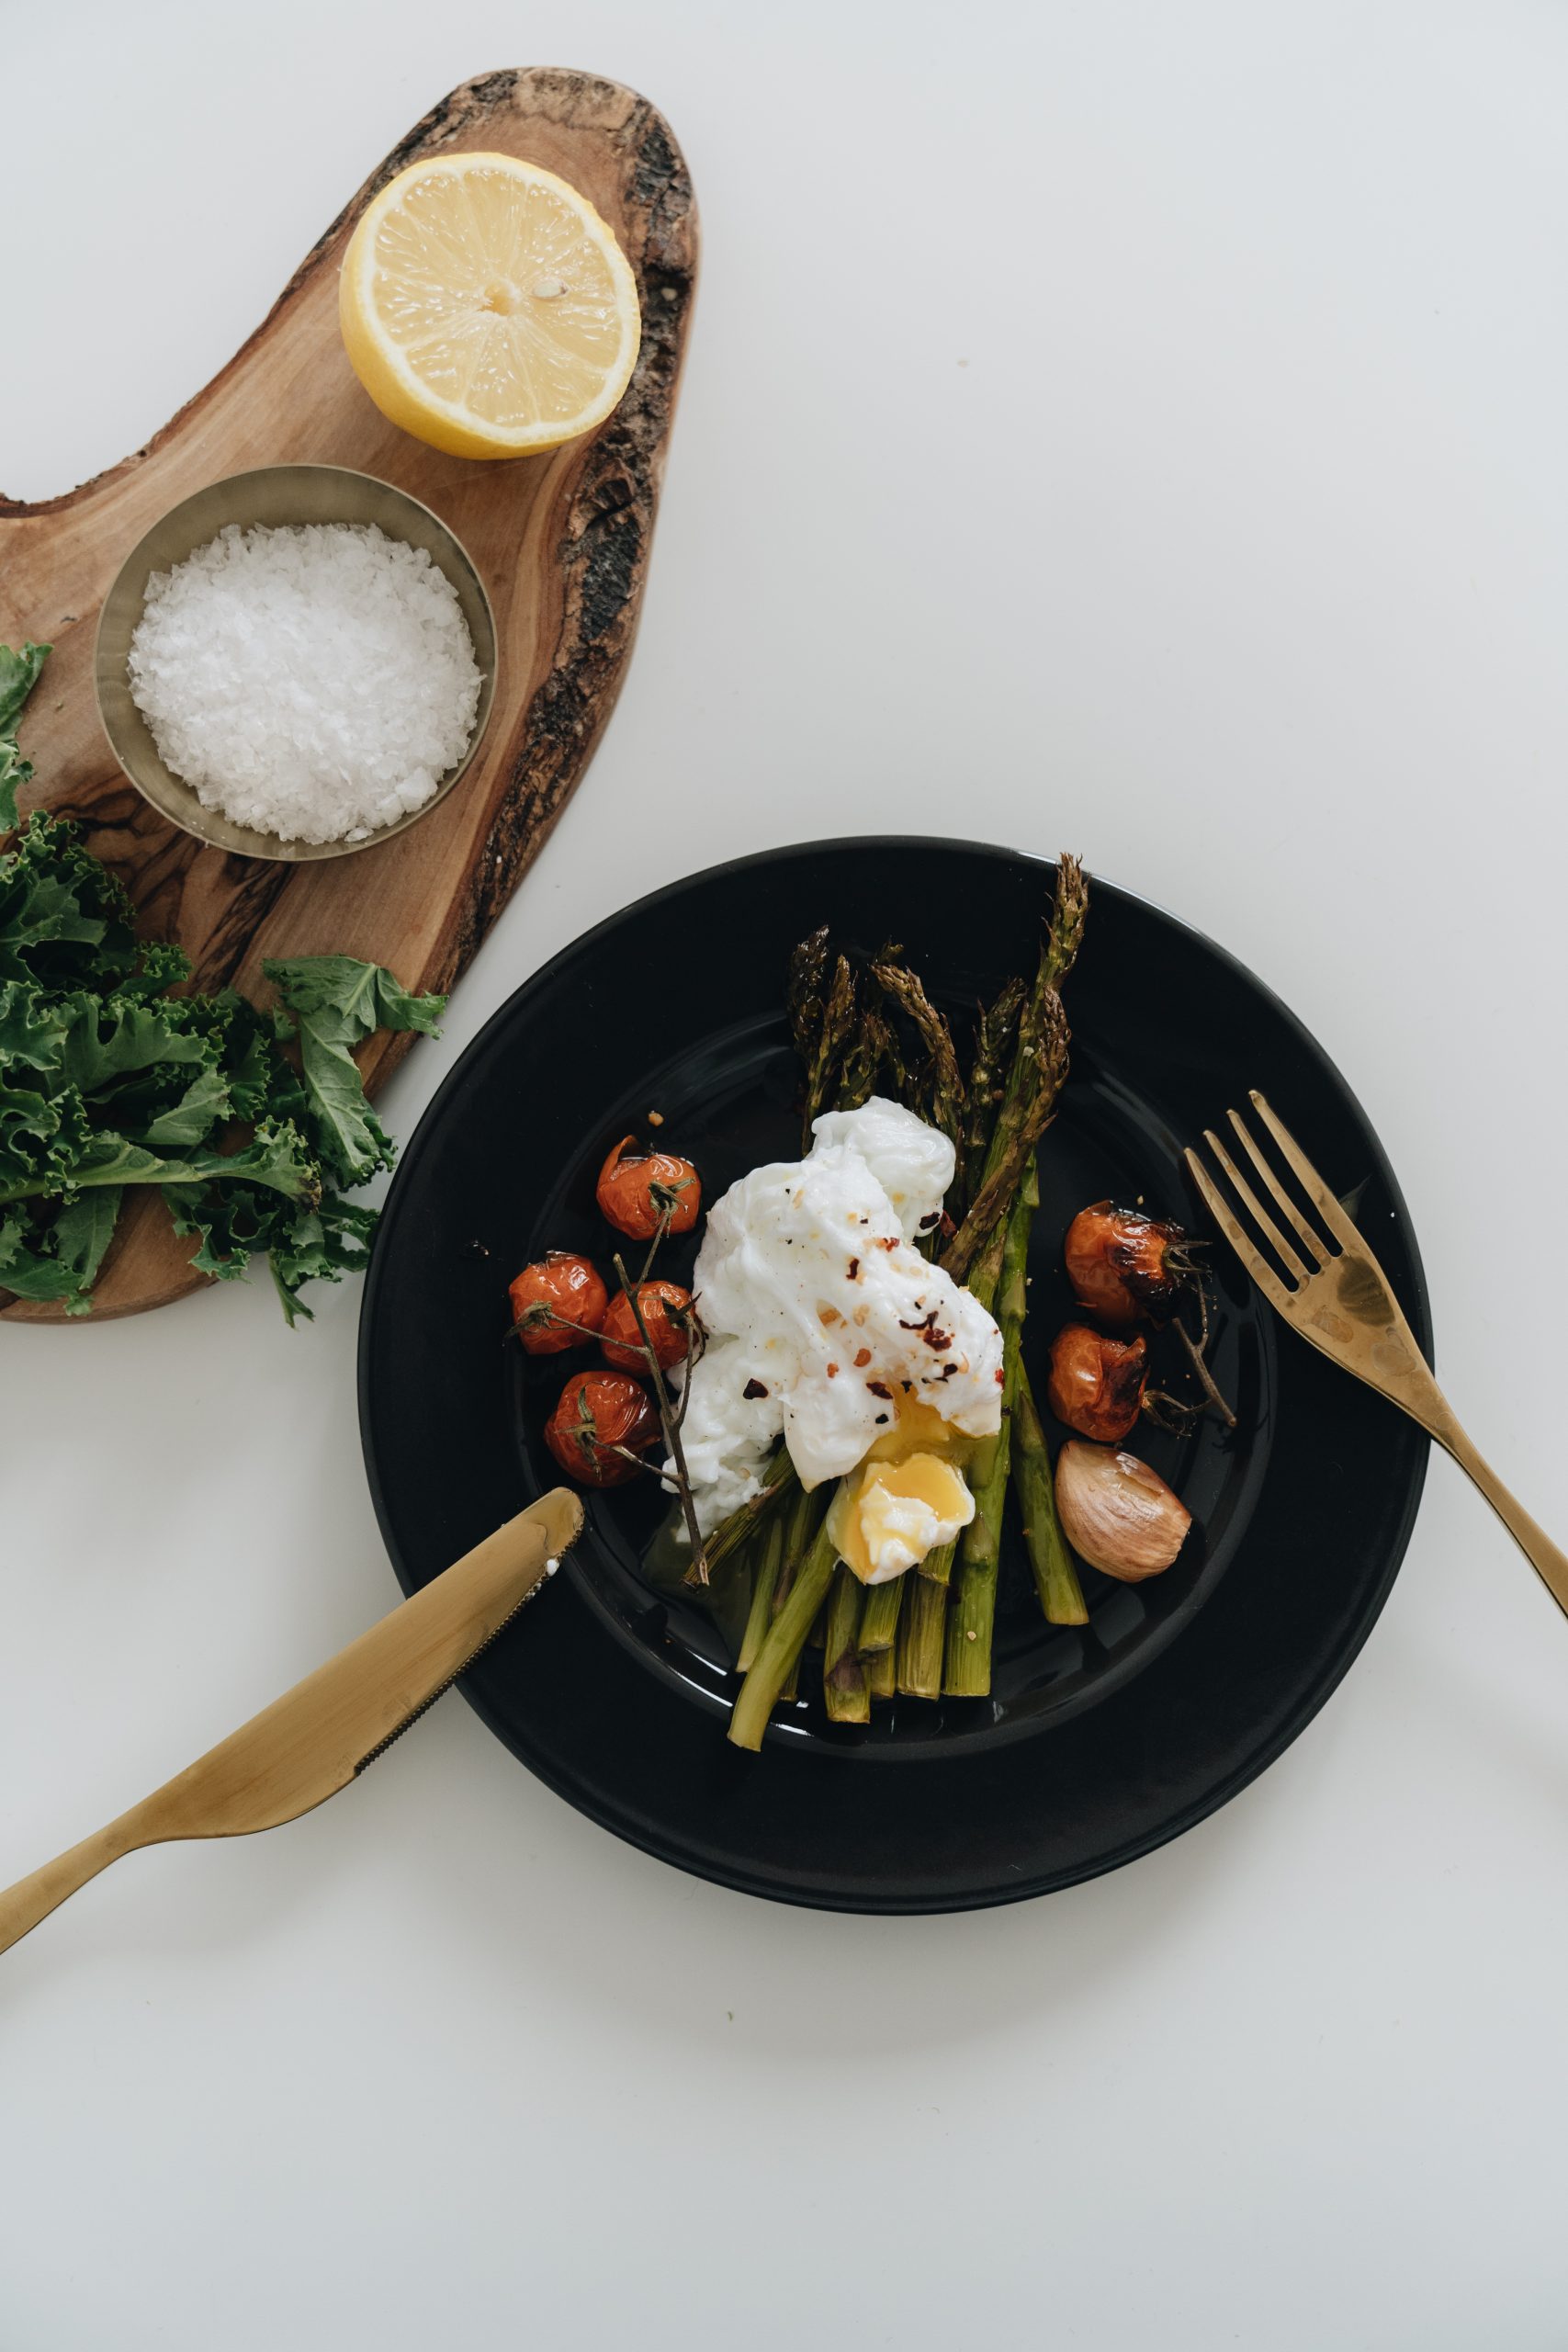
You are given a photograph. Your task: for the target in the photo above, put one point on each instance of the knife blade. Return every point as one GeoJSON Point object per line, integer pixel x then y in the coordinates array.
{"type": "Point", "coordinates": [322, 1732]}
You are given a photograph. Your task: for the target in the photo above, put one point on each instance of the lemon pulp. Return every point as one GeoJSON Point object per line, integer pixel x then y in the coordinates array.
{"type": "Point", "coordinates": [486, 307]}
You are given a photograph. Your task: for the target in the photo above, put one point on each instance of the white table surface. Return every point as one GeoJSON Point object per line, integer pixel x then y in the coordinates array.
{"type": "Point", "coordinates": [1126, 426]}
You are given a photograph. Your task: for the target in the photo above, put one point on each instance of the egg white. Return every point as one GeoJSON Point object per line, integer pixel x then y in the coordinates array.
{"type": "Point", "coordinates": [823, 1318]}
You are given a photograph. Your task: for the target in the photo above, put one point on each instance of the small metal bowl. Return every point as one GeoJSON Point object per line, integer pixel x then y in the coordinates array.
{"type": "Point", "coordinates": [272, 494]}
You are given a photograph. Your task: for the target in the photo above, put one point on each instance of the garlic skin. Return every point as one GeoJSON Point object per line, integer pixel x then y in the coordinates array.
{"type": "Point", "coordinates": [1117, 1513]}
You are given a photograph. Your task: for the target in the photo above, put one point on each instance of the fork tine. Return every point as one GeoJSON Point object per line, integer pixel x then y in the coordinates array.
{"type": "Point", "coordinates": [1254, 1208]}
{"type": "Point", "coordinates": [1312, 1241]}
{"type": "Point", "coordinates": [1334, 1216]}
{"type": "Point", "coordinates": [1263, 1273]}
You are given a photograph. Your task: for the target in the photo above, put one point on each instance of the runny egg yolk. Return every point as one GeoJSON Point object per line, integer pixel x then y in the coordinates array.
{"type": "Point", "coordinates": [907, 1497]}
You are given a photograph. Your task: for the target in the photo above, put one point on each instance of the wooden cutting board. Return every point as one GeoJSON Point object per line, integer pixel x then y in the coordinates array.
{"type": "Point", "coordinates": [561, 542]}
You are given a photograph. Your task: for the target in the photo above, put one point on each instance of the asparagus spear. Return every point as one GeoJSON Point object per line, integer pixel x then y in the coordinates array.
{"type": "Point", "coordinates": [937, 1566]}
{"type": "Point", "coordinates": [844, 1685]}
{"type": "Point", "coordinates": [941, 1087]}
{"type": "Point", "coordinates": [1058, 952]}
{"type": "Point", "coordinates": [1026, 1112]}
{"type": "Point", "coordinates": [780, 1480]}
{"type": "Point", "coordinates": [821, 1018]}
{"type": "Point", "coordinates": [760, 1616]}
{"type": "Point", "coordinates": [803, 993]}
{"type": "Point", "coordinates": [971, 1620]}
{"type": "Point", "coordinates": [987, 1271]}
{"type": "Point", "coordinates": [802, 1517]}
{"type": "Point", "coordinates": [1055, 1571]}
{"type": "Point", "coordinates": [783, 1642]}
{"type": "Point", "coordinates": [879, 1617]}
{"type": "Point", "coordinates": [1005, 1125]}
{"type": "Point", "coordinates": [882, 1673]}
{"type": "Point", "coordinates": [920, 1630]}
{"type": "Point", "coordinates": [805, 1515]}
{"type": "Point", "coordinates": [1035, 1078]}
{"type": "Point", "coordinates": [872, 1047]}
{"type": "Point", "coordinates": [1070, 915]}
{"type": "Point", "coordinates": [995, 1035]}
{"type": "Point", "coordinates": [968, 1668]}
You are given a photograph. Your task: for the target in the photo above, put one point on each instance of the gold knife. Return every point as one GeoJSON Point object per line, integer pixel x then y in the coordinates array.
{"type": "Point", "coordinates": [320, 1735]}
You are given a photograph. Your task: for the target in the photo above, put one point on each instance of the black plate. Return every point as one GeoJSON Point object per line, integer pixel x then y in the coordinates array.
{"type": "Point", "coordinates": [1096, 1745]}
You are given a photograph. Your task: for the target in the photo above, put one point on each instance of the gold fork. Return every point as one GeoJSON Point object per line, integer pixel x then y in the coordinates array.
{"type": "Point", "coordinates": [1334, 1293]}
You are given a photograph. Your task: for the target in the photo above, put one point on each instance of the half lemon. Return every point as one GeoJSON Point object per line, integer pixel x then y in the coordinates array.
{"type": "Point", "coordinates": [487, 309]}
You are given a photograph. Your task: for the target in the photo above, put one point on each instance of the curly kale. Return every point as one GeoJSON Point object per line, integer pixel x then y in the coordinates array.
{"type": "Point", "coordinates": [247, 1120]}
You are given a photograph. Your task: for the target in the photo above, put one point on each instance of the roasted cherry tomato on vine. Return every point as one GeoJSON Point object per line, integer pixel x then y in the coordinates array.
{"type": "Point", "coordinates": [665, 1307]}
{"type": "Point", "coordinates": [1096, 1384]}
{"type": "Point", "coordinates": [641, 1192]}
{"type": "Point", "coordinates": [1123, 1265]}
{"type": "Point", "coordinates": [558, 1292]}
{"type": "Point", "coordinates": [599, 1411]}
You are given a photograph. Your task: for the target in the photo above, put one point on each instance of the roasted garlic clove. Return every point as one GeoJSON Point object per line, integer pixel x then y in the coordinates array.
{"type": "Point", "coordinates": [1117, 1513]}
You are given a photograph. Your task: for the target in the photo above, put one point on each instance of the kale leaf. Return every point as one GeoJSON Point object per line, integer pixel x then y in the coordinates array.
{"type": "Point", "coordinates": [109, 1082]}
{"type": "Point", "coordinates": [18, 676]}
{"type": "Point", "coordinates": [337, 1002]}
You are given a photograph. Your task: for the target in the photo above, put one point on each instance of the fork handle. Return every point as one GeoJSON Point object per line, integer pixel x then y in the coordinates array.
{"type": "Point", "coordinates": [1549, 1564]}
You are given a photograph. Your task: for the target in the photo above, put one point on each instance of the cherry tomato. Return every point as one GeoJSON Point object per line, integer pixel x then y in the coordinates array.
{"type": "Point", "coordinates": [669, 1333]}
{"type": "Point", "coordinates": [1122, 1265]}
{"type": "Point", "coordinates": [1096, 1384]}
{"type": "Point", "coordinates": [640, 1193]}
{"type": "Point", "coordinates": [597, 1411]}
{"type": "Point", "coordinates": [556, 1292]}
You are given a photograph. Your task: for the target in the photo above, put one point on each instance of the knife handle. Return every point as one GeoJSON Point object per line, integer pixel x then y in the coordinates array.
{"type": "Point", "coordinates": [32, 1899]}
{"type": "Point", "coordinates": [320, 1735]}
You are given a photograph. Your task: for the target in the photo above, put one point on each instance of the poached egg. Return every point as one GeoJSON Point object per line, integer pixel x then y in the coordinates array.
{"type": "Point", "coordinates": [825, 1326]}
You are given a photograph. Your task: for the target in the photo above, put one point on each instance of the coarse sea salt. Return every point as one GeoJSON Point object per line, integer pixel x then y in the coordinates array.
{"type": "Point", "coordinates": [314, 682]}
